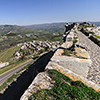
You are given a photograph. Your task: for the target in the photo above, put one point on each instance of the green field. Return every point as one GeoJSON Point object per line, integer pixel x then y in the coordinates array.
{"type": "Point", "coordinates": [8, 54]}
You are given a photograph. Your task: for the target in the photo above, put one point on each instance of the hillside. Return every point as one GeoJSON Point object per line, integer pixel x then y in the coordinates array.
{"type": "Point", "coordinates": [53, 27]}
{"type": "Point", "coordinates": [8, 54]}
{"type": "Point", "coordinates": [16, 30]}
{"type": "Point", "coordinates": [34, 29]}
{"type": "Point", "coordinates": [10, 35]}
{"type": "Point", "coordinates": [68, 71]}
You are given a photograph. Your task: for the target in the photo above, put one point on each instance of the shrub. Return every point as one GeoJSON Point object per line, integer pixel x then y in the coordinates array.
{"type": "Point", "coordinates": [91, 32]}
{"type": "Point", "coordinates": [67, 52]}
{"type": "Point", "coordinates": [95, 40]}
{"type": "Point", "coordinates": [74, 41]}
{"type": "Point", "coordinates": [84, 32]}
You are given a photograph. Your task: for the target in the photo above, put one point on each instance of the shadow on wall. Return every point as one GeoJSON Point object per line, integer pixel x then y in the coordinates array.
{"type": "Point", "coordinates": [17, 88]}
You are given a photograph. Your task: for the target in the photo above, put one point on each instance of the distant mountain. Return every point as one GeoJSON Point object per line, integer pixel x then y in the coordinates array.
{"type": "Point", "coordinates": [53, 27]}
{"type": "Point", "coordinates": [22, 30]}
{"type": "Point", "coordinates": [7, 29]}
{"type": "Point", "coordinates": [96, 23]}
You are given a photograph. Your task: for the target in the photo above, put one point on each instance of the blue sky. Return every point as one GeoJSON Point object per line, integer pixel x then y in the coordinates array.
{"type": "Point", "coordinates": [27, 12]}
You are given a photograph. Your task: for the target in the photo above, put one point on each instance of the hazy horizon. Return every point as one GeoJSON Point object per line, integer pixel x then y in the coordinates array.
{"type": "Point", "coordinates": [31, 12]}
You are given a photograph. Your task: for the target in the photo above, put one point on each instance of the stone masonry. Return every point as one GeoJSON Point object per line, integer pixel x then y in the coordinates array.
{"type": "Point", "coordinates": [94, 52]}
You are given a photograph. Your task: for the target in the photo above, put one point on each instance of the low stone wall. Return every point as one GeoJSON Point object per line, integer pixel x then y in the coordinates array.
{"type": "Point", "coordinates": [77, 65]}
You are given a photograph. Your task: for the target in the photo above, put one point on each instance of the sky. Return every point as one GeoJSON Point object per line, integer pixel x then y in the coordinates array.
{"type": "Point", "coordinates": [29, 12]}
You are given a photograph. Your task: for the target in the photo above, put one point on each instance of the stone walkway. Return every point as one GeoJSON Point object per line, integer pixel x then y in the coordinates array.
{"type": "Point", "coordinates": [94, 52]}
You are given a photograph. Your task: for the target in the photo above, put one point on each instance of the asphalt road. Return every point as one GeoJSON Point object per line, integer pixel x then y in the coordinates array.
{"type": "Point", "coordinates": [8, 74]}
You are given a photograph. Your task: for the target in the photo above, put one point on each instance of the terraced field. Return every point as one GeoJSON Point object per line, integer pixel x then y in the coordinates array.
{"type": "Point", "coordinates": [7, 55]}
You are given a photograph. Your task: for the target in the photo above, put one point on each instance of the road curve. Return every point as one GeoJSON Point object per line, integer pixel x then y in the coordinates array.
{"type": "Point", "coordinates": [8, 74]}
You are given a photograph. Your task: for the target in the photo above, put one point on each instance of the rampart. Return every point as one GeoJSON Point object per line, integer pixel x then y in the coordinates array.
{"type": "Point", "coordinates": [77, 68]}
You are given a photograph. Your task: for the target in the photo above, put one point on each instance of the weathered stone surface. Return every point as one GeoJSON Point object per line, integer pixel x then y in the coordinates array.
{"type": "Point", "coordinates": [82, 53]}
{"type": "Point", "coordinates": [95, 30]}
{"type": "Point", "coordinates": [41, 81]}
{"type": "Point", "coordinates": [59, 52]}
{"type": "Point", "coordinates": [94, 52]}
{"type": "Point", "coordinates": [72, 75]}
{"type": "Point", "coordinates": [87, 24]}
{"type": "Point", "coordinates": [78, 66]}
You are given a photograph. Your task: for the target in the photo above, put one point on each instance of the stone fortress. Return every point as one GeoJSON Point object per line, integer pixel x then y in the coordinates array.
{"type": "Point", "coordinates": [83, 66]}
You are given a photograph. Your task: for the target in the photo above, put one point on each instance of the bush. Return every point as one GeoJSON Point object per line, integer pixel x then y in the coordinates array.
{"type": "Point", "coordinates": [95, 40]}
{"type": "Point", "coordinates": [91, 32]}
{"type": "Point", "coordinates": [84, 32]}
{"type": "Point", "coordinates": [67, 52]}
{"type": "Point", "coordinates": [74, 41]}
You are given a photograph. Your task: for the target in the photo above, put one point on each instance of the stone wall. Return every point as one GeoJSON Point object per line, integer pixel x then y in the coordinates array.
{"type": "Point", "coordinates": [76, 65]}
{"type": "Point", "coordinates": [94, 52]}
{"type": "Point", "coordinates": [75, 68]}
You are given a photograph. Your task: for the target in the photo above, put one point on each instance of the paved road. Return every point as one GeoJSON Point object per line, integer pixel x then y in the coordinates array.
{"type": "Point", "coordinates": [8, 74]}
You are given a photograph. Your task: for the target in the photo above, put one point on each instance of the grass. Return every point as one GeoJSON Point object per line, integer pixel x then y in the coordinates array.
{"type": "Point", "coordinates": [8, 81]}
{"type": "Point", "coordinates": [3, 86]}
{"type": "Point", "coordinates": [11, 78]}
{"type": "Point", "coordinates": [65, 89]}
{"type": "Point", "coordinates": [67, 52]}
{"type": "Point", "coordinates": [91, 32]}
{"type": "Point", "coordinates": [97, 36]}
{"type": "Point", "coordinates": [7, 54]}
{"type": "Point", "coordinates": [74, 41]}
{"type": "Point", "coordinates": [85, 26]}
{"type": "Point", "coordinates": [5, 69]}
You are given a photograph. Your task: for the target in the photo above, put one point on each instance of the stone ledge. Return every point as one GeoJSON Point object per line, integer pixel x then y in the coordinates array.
{"type": "Point", "coordinates": [78, 66]}
{"type": "Point", "coordinates": [72, 75]}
